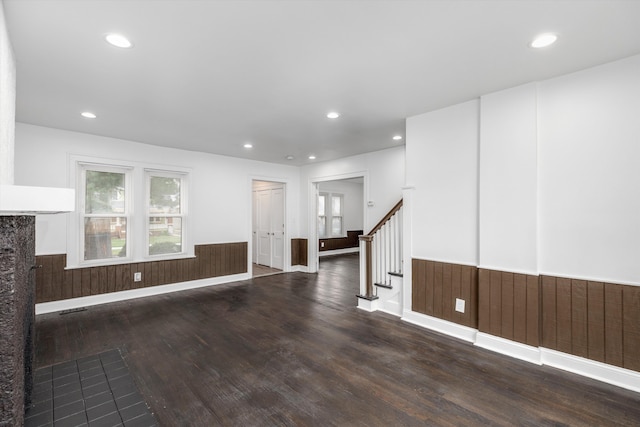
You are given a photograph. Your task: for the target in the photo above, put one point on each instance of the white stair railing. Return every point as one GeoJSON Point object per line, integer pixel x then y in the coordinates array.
{"type": "Point", "coordinates": [381, 253]}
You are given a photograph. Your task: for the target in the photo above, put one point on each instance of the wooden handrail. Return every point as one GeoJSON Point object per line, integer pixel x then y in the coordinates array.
{"type": "Point", "coordinates": [386, 218]}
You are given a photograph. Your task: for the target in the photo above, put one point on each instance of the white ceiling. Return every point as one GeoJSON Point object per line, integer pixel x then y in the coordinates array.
{"type": "Point", "coordinates": [211, 75]}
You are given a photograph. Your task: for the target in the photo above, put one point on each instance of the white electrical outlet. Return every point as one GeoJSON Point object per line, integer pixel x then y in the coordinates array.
{"type": "Point", "coordinates": [322, 244]}
{"type": "Point", "coordinates": [137, 277]}
{"type": "Point", "coordinates": [459, 305]}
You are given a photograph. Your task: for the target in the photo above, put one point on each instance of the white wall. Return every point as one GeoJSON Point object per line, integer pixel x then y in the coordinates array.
{"type": "Point", "coordinates": [558, 185]}
{"type": "Point", "coordinates": [220, 186]}
{"type": "Point", "coordinates": [589, 160]}
{"type": "Point", "coordinates": [508, 181]}
{"type": "Point", "coordinates": [442, 165]}
{"type": "Point", "coordinates": [7, 104]}
{"type": "Point", "coordinates": [353, 210]}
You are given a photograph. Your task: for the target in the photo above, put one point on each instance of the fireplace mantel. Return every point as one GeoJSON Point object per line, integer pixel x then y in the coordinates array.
{"type": "Point", "coordinates": [25, 200]}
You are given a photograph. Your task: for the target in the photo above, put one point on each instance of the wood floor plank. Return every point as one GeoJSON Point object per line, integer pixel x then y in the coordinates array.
{"type": "Point", "coordinates": [292, 349]}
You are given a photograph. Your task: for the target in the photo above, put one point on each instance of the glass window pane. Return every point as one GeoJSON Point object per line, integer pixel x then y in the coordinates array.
{"type": "Point", "coordinates": [105, 238]}
{"type": "Point", "coordinates": [321, 200]}
{"type": "Point", "coordinates": [164, 195]}
{"type": "Point", "coordinates": [104, 192]}
{"type": "Point", "coordinates": [336, 204]}
{"type": "Point", "coordinates": [336, 226]}
{"type": "Point", "coordinates": [322, 226]}
{"type": "Point", "coordinates": [165, 235]}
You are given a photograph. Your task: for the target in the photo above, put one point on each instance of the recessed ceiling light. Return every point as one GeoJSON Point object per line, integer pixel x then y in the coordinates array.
{"type": "Point", "coordinates": [289, 157]}
{"type": "Point", "coordinates": [397, 138]}
{"type": "Point", "coordinates": [118, 40]}
{"type": "Point", "coordinates": [544, 40]}
{"type": "Point", "coordinates": [247, 145]}
{"type": "Point", "coordinates": [312, 157]}
{"type": "Point", "coordinates": [88, 115]}
{"type": "Point", "coordinates": [333, 115]}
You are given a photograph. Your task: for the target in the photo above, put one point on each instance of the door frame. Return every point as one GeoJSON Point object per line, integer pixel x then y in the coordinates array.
{"type": "Point", "coordinates": [286, 184]}
{"type": "Point", "coordinates": [312, 203]}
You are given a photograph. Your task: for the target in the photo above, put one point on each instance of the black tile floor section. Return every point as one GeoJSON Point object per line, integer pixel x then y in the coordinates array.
{"type": "Point", "coordinates": [95, 391]}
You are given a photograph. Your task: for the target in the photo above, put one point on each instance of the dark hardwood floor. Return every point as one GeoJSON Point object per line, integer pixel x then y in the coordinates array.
{"type": "Point", "coordinates": [292, 349]}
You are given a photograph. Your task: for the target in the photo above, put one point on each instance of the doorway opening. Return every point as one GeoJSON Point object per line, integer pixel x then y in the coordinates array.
{"type": "Point", "coordinates": [268, 223]}
{"type": "Point", "coordinates": [340, 217]}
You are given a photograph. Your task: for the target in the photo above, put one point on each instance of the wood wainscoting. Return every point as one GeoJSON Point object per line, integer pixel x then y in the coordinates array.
{"type": "Point", "coordinates": [509, 306]}
{"type": "Point", "coordinates": [436, 285]}
{"type": "Point", "coordinates": [299, 251]}
{"type": "Point", "coordinates": [589, 319]}
{"type": "Point", "coordinates": [54, 283]}
{"type": "Point", "coordinates": [335, 243]}
{"type": "Point", "coordinates": [594, 320]}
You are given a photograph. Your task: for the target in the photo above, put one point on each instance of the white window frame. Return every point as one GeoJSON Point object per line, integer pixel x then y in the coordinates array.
{"type": "Point", "coordinates": [341, 216]}
{"type": "Point", "coordinates": [325, 216]}
{"type": "Point", "coordinates": [149, 173]}
{"type": "Point", "coordinates": [328, 215]}
{"type": "Point", "coordinates": [136, 200]}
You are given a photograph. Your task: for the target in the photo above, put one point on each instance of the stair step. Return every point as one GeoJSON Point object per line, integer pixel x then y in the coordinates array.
{"type": "Point", "coordinates": [393, 273]}
{"type": "Point", "coordinates": [383, 285]}
{"type": "Point", "coordinates": [372, 298]}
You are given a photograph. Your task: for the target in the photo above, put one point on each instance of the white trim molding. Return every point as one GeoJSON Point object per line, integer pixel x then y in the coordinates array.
{"type": "Point", "coordinates": [509, 348]}
{"type": "Point", "coordinates": [610, 374]}
{"type": "Point", "coordinates": [464, 333]}
{"type": "Point", "coordinates": [75, 303]}
{"type": "Point", "coordinates": [368, 305]}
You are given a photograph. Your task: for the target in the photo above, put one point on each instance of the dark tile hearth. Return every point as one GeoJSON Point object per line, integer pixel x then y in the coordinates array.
{"type": "Point", "coordinates": [93, 391]}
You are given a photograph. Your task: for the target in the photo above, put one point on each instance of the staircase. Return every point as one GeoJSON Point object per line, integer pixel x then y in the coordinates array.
{"type": "Point", "coordinates": [381, 265]}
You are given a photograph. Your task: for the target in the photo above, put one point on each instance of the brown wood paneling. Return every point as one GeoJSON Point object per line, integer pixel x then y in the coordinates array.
{"type": "Point", "coordinates": [579, 329]}
{"type": "Point", "coordinates": [549, 311]}
{"type": "Point", "coordinates": [613, 324]}
{"type": "Point", "coordinates": [471, 289]}
{"type": "Point", "coordinates": [595, 320]}
{"type": "Point", "coordinates": [437, 290]}
{"type": "Point", "coordinates": [533, 311]}
{"type": "Point", "coordinates": [519, 314]}
{"type": "Point", "coordinates": [351, 241]}
{"type": "Point", "coordinates": [429, 286]}
{"type": "Point", "coordinates": [436, 285]}
{"type": "Point", "coordinates": [95, 281]}
{"type": "Point", "coordinates": [631, 327]}
{"type": "Point", "coordinates": [563, 314]}
{"type": "Point", "coordinates": [54, 283]}
{"type": "Point", "coordinates": [417, 287]}
{"type": "Point", "coordinates": [77, 283]}
{"type": "Point", "coordinates": [448, 307]}
{"type": "Point", "coordinates": [495, 293]}
{"type": "Point", "coordinates": [484, 300]}
{"type": "Point", "coordinates": [509, 305]}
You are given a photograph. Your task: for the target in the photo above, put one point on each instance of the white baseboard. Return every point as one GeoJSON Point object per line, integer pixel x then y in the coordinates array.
{"type": "Point", "coordinates": [73, 303]}
{"type": "Point", "coordinates": [610, 374]}
{"type": "Point", "coordinates": [391, 307]}
{"type": "Point", "coordinates": [509, 348]}
{"type": "Point", "coordinates": [464, 333]}
{"type": "Point", "coordinates": [338, 252]}
{"type": "Point", "coordinates": [366, 305]}
{"type": "Point", "coordinates": [299, 268]}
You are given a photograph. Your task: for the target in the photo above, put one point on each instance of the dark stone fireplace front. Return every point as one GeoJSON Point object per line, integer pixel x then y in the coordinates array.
{"type": "Point", "coordinates": [17, 316]}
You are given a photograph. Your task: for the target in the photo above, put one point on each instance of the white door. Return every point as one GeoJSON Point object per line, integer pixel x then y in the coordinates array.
{"type": "Point", "coordinates": [277, 228]}
{"type": "Point", "coordinates": [264, 227]}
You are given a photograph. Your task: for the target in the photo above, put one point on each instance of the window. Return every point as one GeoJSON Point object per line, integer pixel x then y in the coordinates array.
{"type": "Point", "coordinates": [126, 213]}
{"type": "Point", "coordinates": [322, 218]}
{"type": "Point", "coordinates": [165, 213]}
{"type": "Point", "coordinates": [334, 216]}
{"type": "Point", "coordinates": [105, 212]}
